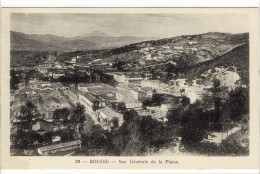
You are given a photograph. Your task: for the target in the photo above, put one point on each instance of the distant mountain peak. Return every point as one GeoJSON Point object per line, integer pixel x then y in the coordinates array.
{"type": "Point", "coordinates": [97, 33]}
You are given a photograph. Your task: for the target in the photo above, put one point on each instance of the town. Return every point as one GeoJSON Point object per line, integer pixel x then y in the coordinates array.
{"type": "Point", "coordinates": [86, 106]}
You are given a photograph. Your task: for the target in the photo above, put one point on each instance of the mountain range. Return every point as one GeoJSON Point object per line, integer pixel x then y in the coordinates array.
{"type": "Point", "coordinates": [93, 41]}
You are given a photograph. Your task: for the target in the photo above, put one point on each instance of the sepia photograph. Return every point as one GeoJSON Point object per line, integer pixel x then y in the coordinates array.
{"type": "Point", "coordinates": [124, 84]}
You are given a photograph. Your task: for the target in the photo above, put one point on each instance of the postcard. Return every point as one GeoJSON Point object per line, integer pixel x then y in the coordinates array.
{"type": "Point", "coordinates": [130, 88]}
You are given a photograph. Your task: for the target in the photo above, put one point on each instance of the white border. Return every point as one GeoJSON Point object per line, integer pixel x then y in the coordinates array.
{"type": "Point", "coordinates": [110, 171]}
{"type": "Point", "coordinates": [130, 3]}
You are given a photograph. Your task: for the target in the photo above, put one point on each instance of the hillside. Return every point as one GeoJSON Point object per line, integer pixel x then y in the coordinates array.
{"type": "Point", "coordinates": [20, 41]}
{"type": "Point", "coordinates": [238, 57]}
{"type": "Point", "coordinates": [183, 52]}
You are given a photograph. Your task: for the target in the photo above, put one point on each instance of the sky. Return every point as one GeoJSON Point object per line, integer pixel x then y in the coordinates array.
{"type": "Point", "coordinates": [139, 25]}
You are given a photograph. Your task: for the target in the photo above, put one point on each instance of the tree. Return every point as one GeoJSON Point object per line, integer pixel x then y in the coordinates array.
{"type": "Point", "coordinates": [217, 105]}
{"type": "Point", "coordinates": [30, 74]}
{"type": "Point", "coordinates": [47, 137]}
{"type": "Point", "coordinates": [157, 99]}
{"type": "Point", "coordinates": [175, 116]}
{"type": "Point", "coordinates": [107, 79]}
{"type": "Point", "coordinates": [28, 114]}
{"type": "Point", "coordinates": [170, 68]}
{"type": "Point", "coordinates": [138, 134]}
{"type": "Point", "coordinates": [121, 107]}
{"type": "Point", "coordinates": [217, 102]}
{"type": "Point", "coordinates": [25, 139]}
{"type": "Point", "coordinates": [216, 85]}
{"type": "Point", "coordinates": [154, 74]}
{"type": "Point", "coordinates": [153, 132]}
{"type": "Point", "coordinates": [97, 141]}
{"type": "Point", "coordinates": [119, 65]}
{"type": "Point", "coordinates": [130, 115]}
{"type": "Point", "coordinates": [128, 140]}
{"type": "Point", "coordinates": [27, 79]}
{"type": "Point", "coordinates": [147, 102]}
{"type": "Point", "coordinates": [185, 101]}
{"type": "Point", "coordinates": [115, 123]}
{"type": "Point", "coordinates": [213, 70]}
{"type": "Point", "coordinates": [195, 123]}
{"type": "Point", "coordinates": [238, 103]}
{"type": "Point", "coordinates": [67, 135]}
{"type": "Point", "coordinates": [96, 106]}
{"type": "Point", "coordinates": [78, 114]}
{"type": "Point", "coordinates": [14, 81]}
{"type": "Point", "coordinates": [190, 134]}
{"type": "Point", "coordinates": [61, 115]}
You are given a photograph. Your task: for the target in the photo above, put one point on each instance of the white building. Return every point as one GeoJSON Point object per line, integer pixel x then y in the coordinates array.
{"type": "Point", "coordinates": [156, 85]}
{"type": "Point", "coordinates": [62, 147]}
{"type": "Point", "coordinates": [158, 112]}
{"type": "Point", "coordinates": [128, 98]}
{"type": "Point", "coordinates": [106, 115]}
{"type": "Point", "coordinates": [119, 77]}
{"type": "Point", "coordinates": [72, 94]}
{"type": "Point", "coordinates": [192, 95]}
{"type": "Point", "coordinates": [148, 76]}
{"type": "Point", "coordinates": [126, 78]}
{"type": "Point", "coordinates": [178, 47]}
{"type": "Point", "coordinates": [133, 104]}
{"type": "Point", "coordinates": [56, 74]}
{"type": "Point", "coordinates": [83, 87]}
{"type": "Point", "coordinates": [148, 57]}
{"type": "Point", "coordinates": [88, 101]}
{"type": "Point", "coordinates": [192, 42]}
{"type": "Point", "coordinates": [179, 82]}
{"type": "Point", "coordinates": [74, 59]}
{"type": "Point", "coordinates": [48, 104]}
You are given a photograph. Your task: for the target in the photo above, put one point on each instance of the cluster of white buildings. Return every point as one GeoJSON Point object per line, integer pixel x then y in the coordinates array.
{"type": "Point", "coordinates": [46, 101]}
{"type": "Point", "coordinates": [127, 78]}
{"type": "Point", "coordinates": [133, 89]}
{"type": "Point", "coordinates": [130, 99]}
{"type": "Point", "coordinates": [161, 53]}
{"type": "Point", "coordinates": [51, 96]}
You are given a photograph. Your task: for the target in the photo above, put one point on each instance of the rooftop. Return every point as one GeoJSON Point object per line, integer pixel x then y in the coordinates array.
{"type": "Point", "coordinates": [83, 85]}
{"type": "Point", "coordinates": [136, 89]}
{"type": "Point", "coordinates": [125, 93]}
{"type": "Point", "coordinates": [90, 97]}
{"type": "Point", "coordinates": [108, 97]}
{"type": "Point", "coordinates": [129, 75]}
{"type": "Point", "coordinates": [53, 93]}
{"type": "Point", "coordinates": [50, 100]}
{"type": "Point", "coordinates": [75, 91]}
{"type": "Point", "coordinates": [109, 112]}
{"type": "Point", "coordinates": [61, 145]}
{"type": "Point", "coordinates": [146, 88]}
{"type": "Point", "coordinates": [154, 82]}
